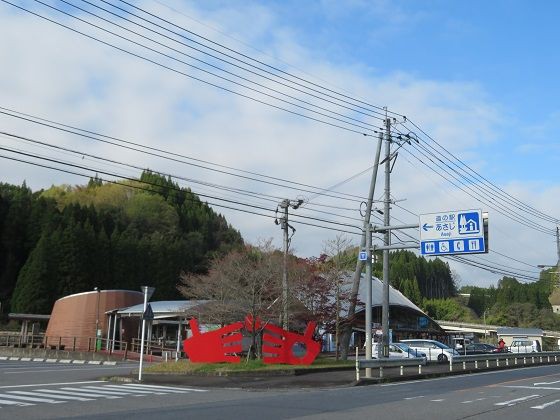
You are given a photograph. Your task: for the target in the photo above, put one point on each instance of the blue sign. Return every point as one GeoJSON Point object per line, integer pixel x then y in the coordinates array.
{"type": "Point", "coordinates": [362, 256]}
{"type": "Point", "coordinates": [452, 232]}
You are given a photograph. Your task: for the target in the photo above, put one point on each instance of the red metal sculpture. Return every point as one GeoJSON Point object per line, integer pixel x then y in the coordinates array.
{"type": "Point", "coordinates": [279, 345]}
{"type": "Point", "coordinates": [221, 345]}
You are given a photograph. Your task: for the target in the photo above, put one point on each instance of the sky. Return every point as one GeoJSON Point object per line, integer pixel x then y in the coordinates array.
{"type": "Point", "coordinates": [477, 77]}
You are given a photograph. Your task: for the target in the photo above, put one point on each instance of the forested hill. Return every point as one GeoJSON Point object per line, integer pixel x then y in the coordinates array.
{"type": "Point", "coordinates": [112, 236]}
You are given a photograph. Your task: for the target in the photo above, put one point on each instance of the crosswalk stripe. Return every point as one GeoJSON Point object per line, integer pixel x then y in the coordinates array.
{"type": "Point", "coordinates": [90, 393]}
{"type": "Point", "coordinates": [101, 390]}
{"type": "Point", "coordinates": [167, 388]}
{"type": "Point", "coordinates": [7, 402]}
{"type": "Point", "coordinates": [136, 391]}
{"type": "Point", "coordinates": [40, 393]}
{"type": "Point", "coordinates": [32, 399]}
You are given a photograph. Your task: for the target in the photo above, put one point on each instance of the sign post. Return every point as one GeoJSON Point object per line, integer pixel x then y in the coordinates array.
{"type": "Point", "coordinates": [147, 315]}
{"type": "Point", "coordinates": [452, 233]}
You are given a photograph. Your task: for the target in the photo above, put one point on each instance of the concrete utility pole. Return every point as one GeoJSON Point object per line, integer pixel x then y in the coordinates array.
{"type": "Point", "coordinates": [557, 272]}
{"type": "Point", "coordinates": [285, 205]}
{"type": "Point", "coordinates": [369, 300]}
{"type": "Point", "coordinates": [387, 237]}
{"type": "Point", "coordinates": [345, 340]}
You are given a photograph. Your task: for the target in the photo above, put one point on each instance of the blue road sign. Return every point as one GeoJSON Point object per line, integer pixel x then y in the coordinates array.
{"type": "Point", "coordinates": [452, 232]}
{"type": "Point", "coordinates": [362, 256]}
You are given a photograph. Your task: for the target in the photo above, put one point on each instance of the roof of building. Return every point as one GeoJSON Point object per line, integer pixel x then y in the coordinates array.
{"type": "Point", "coordinates": [511, 331]}
{"type": "Point", "coordinates": [554, 298]}
{"type": "Point", "coordinates": [163, 308]}
{"type": "Point", "coordinates": [28, 317]}
{"type": "Point", "coordinates": [395, 297]}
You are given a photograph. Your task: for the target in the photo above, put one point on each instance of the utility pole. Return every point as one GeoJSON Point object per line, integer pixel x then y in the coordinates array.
{"type": "Point", "coordinates": [558, 254]}
{"type": "Point", "coordinates": [285, 205]}
{"type": "Point", "coordinates": [387, 238]}
{"type": "Point", "coordinates": [360, 264]}
{"type": "Point", "coordinates": [369, 299]}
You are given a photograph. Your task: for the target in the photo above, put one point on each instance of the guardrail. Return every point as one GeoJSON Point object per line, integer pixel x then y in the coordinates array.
{"type": "Point", "coordinates": [479, 361]}
{"type": "Point", "coordinates": [387, 363]}
{"type": "Point", "coordinates": [507, 358]}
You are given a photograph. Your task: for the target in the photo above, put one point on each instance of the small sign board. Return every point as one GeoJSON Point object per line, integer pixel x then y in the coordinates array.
{"type": "Point", "coordinates": [148, 315]}
{"type": "Point", "coordinates": [452, 232]}
{"type": "Point", "coordinates": [362, 256]}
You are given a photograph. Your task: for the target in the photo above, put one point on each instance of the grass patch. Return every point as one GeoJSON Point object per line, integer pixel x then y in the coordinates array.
{"type": "Point", "coordinates": [185, 366]}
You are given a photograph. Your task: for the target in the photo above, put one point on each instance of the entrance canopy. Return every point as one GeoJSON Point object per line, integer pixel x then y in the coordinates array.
{"type": "Point", "coordinates": [162, 309]}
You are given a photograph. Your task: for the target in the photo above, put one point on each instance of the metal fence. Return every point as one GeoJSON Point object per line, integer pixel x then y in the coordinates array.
{"type": "Point", "coordinates": [89, 344]}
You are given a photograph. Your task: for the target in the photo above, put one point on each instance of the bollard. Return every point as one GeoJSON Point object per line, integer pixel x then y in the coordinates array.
{"type": "Point", "coordinates": [524, 360]}
{"type": "Point", "coordinates": [402, 370]}
{"type": "Point", "coordinates": [476, 364]}
{"type": "Point", "coordinates": [419, 369]}
{"type": "Point", "coordinates": [381, 371]}
{"type": "Point", "coordinates": [497, 362]}
{"type": "Point", "coordinates": [450, 366]}
{"type": "Point", "coordinates": [532, 359]}
{"type": "Point", "coordinates": [507, 362]}
{"type": "Point", "coordinates": [487, 363]}
{"type": "Point", "coordinates": [540, 359]}
{"type": "Point", "coordinates": [464, 365]}
{"type": "Point", "coordinates": [515, 360]}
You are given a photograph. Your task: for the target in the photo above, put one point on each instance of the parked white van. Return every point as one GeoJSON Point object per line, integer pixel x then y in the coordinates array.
{"type": "Point", "coordinates": [525, 346]}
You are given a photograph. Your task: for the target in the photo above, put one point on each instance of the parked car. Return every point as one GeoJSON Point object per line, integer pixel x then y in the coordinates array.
{"type": "Point", "coordinates": [434, 350]}
{"type": "Point", "coordinates": [397, 351]}
{"type": "Point", "coordinates": [479, 348]}
{"type": "Point", "coordinates": [525, 346]}
{"type": "Point", "coordinates": [409, 350]}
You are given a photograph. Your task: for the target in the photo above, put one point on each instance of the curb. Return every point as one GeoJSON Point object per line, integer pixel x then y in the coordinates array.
{"type": "Point", "coordinates": [61, 361]}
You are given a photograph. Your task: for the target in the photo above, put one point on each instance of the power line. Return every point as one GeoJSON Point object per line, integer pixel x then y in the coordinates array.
{"type": "Point", "coordinates": [97, 170]}
{"type": "Point", "coordinates": [309, 117]}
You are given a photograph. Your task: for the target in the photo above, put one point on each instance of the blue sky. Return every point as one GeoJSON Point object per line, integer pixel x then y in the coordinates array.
{"type": "Point", "coordinates": [478, 76]}
{"type": "Point", "coordinates": [506, 48]}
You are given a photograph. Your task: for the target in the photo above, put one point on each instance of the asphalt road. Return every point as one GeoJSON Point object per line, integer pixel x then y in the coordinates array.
{"type": "Point", "coordinates": [516, 394]}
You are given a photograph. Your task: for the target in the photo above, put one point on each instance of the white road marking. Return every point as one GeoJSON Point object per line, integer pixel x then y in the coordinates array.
{"type": "Point", "coordinates": [532, 387]}
{"type": "Point", "coordinates": [437, 400]}
{"type": "Point", "coordinates": [102, 390]}
{"type": "Point", "coordinates": [548, 404]}
{"type": "Point", "coordinates": [546, 383]}
{"type": "Point", "coordinates": [518, 400]}
{"type": "Point", "coordinates": [40, 393]}
{"type": "Point", "coordinates": [21, 404]}
{"type": "Point", "coordinates": [445, 378]}
{"type": "Point", "coordinates": [104, 394]}
{"type": "Point", "coordinates": [135, 390]}
{"type": "Point", "coordinates": [32, 399]}
{"type": "Point", "coordinates": [413, 398]}
{"type": "Point", "coordinates": [172, 389]}
{"type": "Point", "coordinates": [51, 384]}
{"type": "Point", "coordinates": [83, 394]}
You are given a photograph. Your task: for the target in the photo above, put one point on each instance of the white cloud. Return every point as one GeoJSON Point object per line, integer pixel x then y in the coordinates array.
{"type": "Point", "coordinates": [59, 75]}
